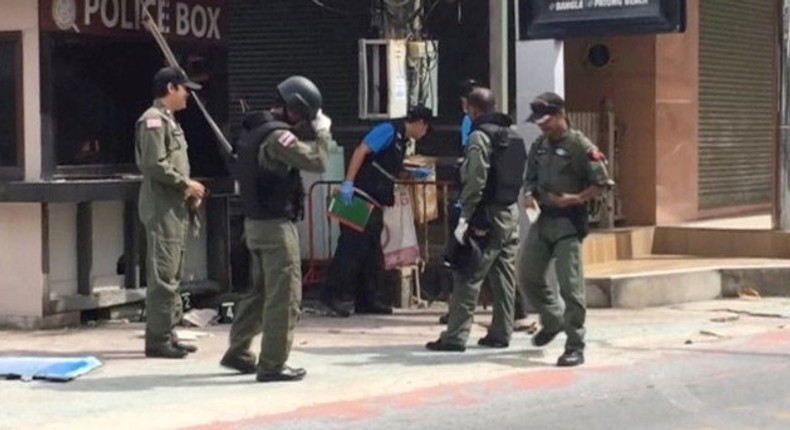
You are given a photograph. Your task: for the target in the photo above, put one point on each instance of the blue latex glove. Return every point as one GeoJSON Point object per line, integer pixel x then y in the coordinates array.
{"type": "Point", "coordinates": [420, 173]}
{"type": "Point", "coordinates": [347, 192]}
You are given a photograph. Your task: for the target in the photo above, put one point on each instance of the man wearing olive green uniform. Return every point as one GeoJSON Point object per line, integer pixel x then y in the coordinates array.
{"type": "Point", "coordinates": [270, 157]}
{"type": "Point", "coordinates": [565, 170]}
{"type": "Point", "coordinates": [166, 194]}
{"type": "Point", "coordinates": [491, 175]}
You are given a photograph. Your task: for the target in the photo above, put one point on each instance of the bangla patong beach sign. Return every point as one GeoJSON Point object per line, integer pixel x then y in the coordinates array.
{"type": "Point", "coordinates": [559, 19]}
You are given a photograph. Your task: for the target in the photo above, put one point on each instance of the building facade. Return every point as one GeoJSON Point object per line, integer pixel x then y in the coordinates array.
{"type": "Point", "coordinates": [74, 77]}
{"type": "Point", "coordinates": [697, 111]}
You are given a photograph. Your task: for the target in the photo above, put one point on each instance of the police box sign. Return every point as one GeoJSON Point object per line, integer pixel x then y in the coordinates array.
{"type": "Point", "coordinates": [559, 19]}
{"type": "Point", "coordinates": [196, 20]}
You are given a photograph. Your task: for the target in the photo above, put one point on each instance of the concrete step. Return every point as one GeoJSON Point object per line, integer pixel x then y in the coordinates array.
{"type": "Point", "coordinates": [668, 287]}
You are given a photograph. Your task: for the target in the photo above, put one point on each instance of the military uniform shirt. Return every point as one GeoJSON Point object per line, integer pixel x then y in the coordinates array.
{"type": "Point", "coordinates": [569, 165]}
{"type": "Point", "coordinates": [474, 172]}
{"type": "Point", "coordinates": [161, 155]}
{"type": "Point", "coordinates": [282, 150]}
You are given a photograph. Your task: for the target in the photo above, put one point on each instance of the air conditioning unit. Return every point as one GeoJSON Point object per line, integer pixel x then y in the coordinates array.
{"type": "Point", "coordinates": [395, 74]}
{"type": "Point", "coordinates": [383, 82]}
{"type": "Point", "coordinates": [422, 68]}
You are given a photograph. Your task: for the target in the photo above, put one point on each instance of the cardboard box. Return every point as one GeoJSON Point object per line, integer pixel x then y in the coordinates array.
{"type": "Point", "coordinates": [424, 198]}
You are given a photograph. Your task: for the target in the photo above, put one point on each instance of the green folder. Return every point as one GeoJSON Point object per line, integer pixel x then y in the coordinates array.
{"type": "Point", "coordinates": [354, 215]}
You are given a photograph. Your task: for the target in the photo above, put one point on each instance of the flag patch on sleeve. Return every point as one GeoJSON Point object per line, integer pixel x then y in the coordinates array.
{"type": "Point", "coordinates": [153, 122]}
{"type": "Point", "coordinates": [287, 139]}
{"type": "Point", "coordinates": [595, 155]}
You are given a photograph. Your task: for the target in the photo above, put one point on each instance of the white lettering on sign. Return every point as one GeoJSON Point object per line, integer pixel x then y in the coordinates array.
{"type": "Point", "coordinates": [109, 13]}
{"type": "Point", "coordinates": [161, 10]}
{"type": "Point", "coordinates": [213, 23]}
{"type": "Point", "coordinates": [607, 3]}
{"type": "Point", "coordinates": [199, 22]}
{"type": "Point", "coordinates": [563, 5]}
{"type": "Point", "coordinates": [91, 7]}
{"type": "Point", "coordinates": [182, 19]}
{"type": "Point", "coordinates": [187, 19]}
{"type": "Point", "coordinates": [138, 13]}
{"type": "Point", "coordinates": [126, 24]}
{"type": "Point", "coordinates": [568, 5]}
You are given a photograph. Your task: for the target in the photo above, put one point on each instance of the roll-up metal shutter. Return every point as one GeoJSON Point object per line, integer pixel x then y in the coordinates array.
{"type": "Point", "coordinates": [737, 102]}
{"type": "Point", "coordinates": [273, 39]}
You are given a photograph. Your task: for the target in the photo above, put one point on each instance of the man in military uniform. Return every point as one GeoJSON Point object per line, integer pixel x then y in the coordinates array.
{"type": "Point", "coordinates": [270, 157]}
{"type": "Point", "coordinates": [166, 196]}
{"type": "Point", "coordinates": [374, 167]}
{"type": "Point", "coordinates": [565, 171]}
{"type": "Point", "coordinates": [491, 175]}
{"type": "Point", "coordinates": [466, 87]}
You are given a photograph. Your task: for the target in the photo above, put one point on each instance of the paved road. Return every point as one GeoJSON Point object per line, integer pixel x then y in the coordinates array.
{"type": "Point", "coordinates": [713, 365]}
{"type": "Point", "coordinates": [741, 385]}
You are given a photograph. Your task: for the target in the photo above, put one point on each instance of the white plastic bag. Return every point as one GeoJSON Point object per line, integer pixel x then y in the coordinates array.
{"type": "Point", "coordinates": [399, 236]}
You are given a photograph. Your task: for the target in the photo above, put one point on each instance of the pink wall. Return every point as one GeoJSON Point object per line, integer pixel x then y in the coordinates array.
{"type": "Point", "coordinates": [652, 81]}
{"type": "Point", "coordinates": [677, 115]}
{"type": "Point", "coordinates": [629, 81]}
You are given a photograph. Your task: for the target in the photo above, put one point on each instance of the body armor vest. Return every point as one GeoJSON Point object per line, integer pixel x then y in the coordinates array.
{"type": "Point", "coordinates": [508, 162]}
{"type": "Point", "coordinates": [372, 180]}
{"type": "Point", "coordinates": [266, 194]}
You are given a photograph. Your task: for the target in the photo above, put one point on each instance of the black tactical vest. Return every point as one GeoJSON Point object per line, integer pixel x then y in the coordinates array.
{"type": "Point", "coordinates": [508, 163]}
{"type": "Point", "coordinates": [372, 180]}
{"type": "Point", "coordinates": [266, 194]}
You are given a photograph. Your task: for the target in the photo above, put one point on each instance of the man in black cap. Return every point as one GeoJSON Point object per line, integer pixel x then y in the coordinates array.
{"type": "Point", "coordinates": [374, 167]}
{"type": "Point", "coordinates": [166, 196]}
{"type": "Point", "coordinates": [565, 171]}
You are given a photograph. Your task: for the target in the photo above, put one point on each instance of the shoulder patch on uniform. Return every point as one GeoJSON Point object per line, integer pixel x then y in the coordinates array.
{"type": "Point", "coordinates": [153, 122]}
{"type": "Point", "coordinates": [286, 139]}
{"type": "Point", "coordinates": [595, 155]}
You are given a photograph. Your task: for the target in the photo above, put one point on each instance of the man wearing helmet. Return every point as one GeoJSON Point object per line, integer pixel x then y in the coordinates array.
{"type": "Point", "coordinates": [271, 153]}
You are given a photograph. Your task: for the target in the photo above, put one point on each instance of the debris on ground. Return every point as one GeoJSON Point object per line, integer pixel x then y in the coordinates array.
{"type": "Point", "coordinates": [748, 293]}
{"type": "Point", "coordinates": [530, 327]}
{"type": "Point", "coordinates": [201, 317]}
{"type": "Point", "coordinates": [727, 319]}
{"type": "Point", "coordinates": [180, 334]}
{"type": "Point", "coordinates": [710, 333]}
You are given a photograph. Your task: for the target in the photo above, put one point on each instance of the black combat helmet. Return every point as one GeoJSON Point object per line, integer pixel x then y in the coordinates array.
{"type": "Point", "coordinates": [301, 95]}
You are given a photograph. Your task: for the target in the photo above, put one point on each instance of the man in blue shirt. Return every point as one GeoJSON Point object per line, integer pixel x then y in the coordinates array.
{"type": "Point", "coordinates": [466, 87]}
{"type": "Point", "coordinates": [373, 169]}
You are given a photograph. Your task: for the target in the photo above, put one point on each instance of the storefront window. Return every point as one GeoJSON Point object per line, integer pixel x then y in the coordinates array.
{"type": "Point", "coordinates": [10, 103]}
{"type": "Point", "coordinates": [103, 84]}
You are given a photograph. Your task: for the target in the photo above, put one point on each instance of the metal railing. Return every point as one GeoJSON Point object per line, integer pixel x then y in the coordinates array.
{"type": "Point", "coordinates": [313, 275]}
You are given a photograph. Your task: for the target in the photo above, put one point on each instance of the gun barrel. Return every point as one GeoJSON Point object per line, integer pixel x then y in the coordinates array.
{"type": "Point", "coordinates": [150, 25]}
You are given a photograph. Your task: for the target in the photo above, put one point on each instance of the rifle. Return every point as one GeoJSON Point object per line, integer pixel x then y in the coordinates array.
{"type": "Point", "coordinates": [225, 148]}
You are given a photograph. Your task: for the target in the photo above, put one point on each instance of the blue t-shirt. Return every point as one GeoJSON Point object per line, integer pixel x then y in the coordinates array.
{"type": "Point", "coordinates": [466, 130]}
{"type": "Point", "coordinates": [380, 137]}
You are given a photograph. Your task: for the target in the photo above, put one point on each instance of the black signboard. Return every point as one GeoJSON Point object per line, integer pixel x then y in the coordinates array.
{"type": "Point", "coordinates": [559, 19]}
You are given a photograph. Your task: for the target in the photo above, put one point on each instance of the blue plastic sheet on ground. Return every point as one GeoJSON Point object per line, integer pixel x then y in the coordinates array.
{"type": "Point", "coordinates": [59, 369]}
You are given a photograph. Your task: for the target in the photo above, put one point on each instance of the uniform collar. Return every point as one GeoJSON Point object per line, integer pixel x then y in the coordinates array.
{"type": "Point", "coordinates": [562, 138]}
{"type": "Point", "coordinates": [161, 106]}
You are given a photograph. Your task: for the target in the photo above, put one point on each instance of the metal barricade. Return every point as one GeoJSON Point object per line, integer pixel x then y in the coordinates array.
{"type": "Point", "coordinates": [314, 275]}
